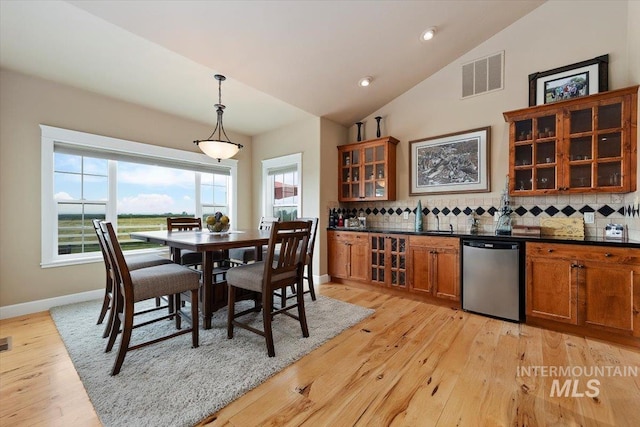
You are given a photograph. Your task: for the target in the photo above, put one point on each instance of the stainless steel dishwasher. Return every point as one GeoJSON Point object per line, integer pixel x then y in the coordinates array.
{"type": "Point", "coordinates": [492, 280]}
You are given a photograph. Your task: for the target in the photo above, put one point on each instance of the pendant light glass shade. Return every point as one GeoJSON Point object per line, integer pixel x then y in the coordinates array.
{"type": "Point", "coordinates": [215, 146]}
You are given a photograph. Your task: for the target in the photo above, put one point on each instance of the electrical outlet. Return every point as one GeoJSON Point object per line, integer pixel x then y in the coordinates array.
{"type": "Point", "coordinates": [496, 216]}
{"type": "Point", "coordinates": [589, 217]}
{"type": "Point", "coordinates": [405, 215]}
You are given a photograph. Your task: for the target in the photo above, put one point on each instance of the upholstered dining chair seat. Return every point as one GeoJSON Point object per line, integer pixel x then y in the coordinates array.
{"type": "Point", "coordinates": [166, 279]}
{"type": "Point", "coordinates": [250, 276]}
{"type": "Point", "coordinates": [136, 262]}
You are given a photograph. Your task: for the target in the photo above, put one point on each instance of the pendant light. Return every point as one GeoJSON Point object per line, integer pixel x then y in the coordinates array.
{"type": "Point", "coordinates": [215, 146]}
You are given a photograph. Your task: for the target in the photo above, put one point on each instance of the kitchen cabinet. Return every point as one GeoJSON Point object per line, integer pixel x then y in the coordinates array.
{"type": "Point", "coordinates": [584, 145]}
{"type": "Point", "coordinates": [434, 266]}
{"type": "Point", "coordinates": [348, 255]}
{"type": "Point", "coordinates": [594, 287]}
{"type": "Point", "coordinates": [388, 259]}
{"type": "Point", "coordinates": [367, 170]}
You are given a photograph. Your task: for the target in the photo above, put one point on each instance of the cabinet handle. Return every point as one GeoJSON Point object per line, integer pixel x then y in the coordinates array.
{"type": "Point", "coordinates": [607, 255]}
{"type": "Point", "coordinates": [549, 250]}
{"type": "Point", "coordinates": [580, 266]}
{"type": "Point", "coordinates": [574, 265]}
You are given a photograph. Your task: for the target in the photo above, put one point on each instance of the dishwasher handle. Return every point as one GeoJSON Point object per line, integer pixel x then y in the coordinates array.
{"type": "Point", "coordinates": [485, 244]}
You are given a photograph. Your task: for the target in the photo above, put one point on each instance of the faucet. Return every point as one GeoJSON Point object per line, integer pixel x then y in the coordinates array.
{"type": "Point", "coordinates": [437, 222]}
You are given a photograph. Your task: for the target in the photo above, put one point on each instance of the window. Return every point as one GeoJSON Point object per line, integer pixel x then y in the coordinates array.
{"type": "Point", "coordinates": [282, 186]}
{"type": "Point", "coordinates": [135, 186]}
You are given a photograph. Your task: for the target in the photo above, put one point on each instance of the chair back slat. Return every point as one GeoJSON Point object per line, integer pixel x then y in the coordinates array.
{"type": "Point", "coordinates": [184, 223]}
{"type": "Point", "coordinates": [312, 236]}
{"type": "Point", "coordinates": [289, 240]}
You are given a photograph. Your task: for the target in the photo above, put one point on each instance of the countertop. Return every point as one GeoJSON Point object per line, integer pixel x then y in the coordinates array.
{"type": "Point", "coordinates": [597, 241]}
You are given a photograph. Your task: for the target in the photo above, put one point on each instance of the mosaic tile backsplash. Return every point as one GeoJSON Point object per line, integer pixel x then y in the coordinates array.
{"type": "Point", "coordinates": [608, 208]}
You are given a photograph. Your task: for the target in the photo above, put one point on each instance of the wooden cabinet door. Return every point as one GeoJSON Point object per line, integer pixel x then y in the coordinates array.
{"type": "Point", "coordinates": [552, 289]}
{"type": "Point", "coordinates": [420, 261]}
{"type": "Point", "coordinates": [367, 170]}
{"type": "Point", "coordinates": [446, 274]}
{"type": "Point", "coordinates": [388, 259]}
{"type": "Point", "coordinates": [338, 256]}
{"type": "Point", "coordinates": [609, 298]}
{"type": "Point", "coordinates": [359, 257]}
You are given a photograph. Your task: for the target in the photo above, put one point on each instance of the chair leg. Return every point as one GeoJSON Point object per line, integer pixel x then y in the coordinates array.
{"type": "Point", "coordinates": [267, 317]}
{"type": "Point", "coordinates": [231, 310]}
{"type": "Point", "coordinates": [301, 312]}
{"type": "Point", "coordinates": [105, 306]}
{"type": "Point", "coordinates": [109, 326]}
{"type": "Point", "coordinates": [116, 312]}
{"type": "Point", "coordinates": [158, 302]}
{"type": "Point", "coordinates": [195, 325]}
{"type": "Point", "coordinates": [124, 341]}
{"type": "Point", "coordinates": [312, 290]}
{"type": "Point", "coordinates": [177, 307]}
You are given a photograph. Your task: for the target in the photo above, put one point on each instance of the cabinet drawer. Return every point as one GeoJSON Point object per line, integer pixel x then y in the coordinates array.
{"type": "Point", "coordinates": [435, 242]}
{"type": "Point", "coordinates": [625, 256]}
{"type": "Point", "coordinates": [350, 236]}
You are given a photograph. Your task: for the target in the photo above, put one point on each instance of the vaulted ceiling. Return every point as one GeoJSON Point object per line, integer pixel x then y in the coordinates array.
{"type": "Point", "coordinates": [284, 60]}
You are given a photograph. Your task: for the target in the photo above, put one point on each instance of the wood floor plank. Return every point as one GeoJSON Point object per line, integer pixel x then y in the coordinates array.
{"type": "Point", "coordinates": [409, 364]}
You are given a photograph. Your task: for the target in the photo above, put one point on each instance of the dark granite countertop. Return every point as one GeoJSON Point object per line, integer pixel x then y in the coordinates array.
{"type": "Point", "coordinates": [596, 241]}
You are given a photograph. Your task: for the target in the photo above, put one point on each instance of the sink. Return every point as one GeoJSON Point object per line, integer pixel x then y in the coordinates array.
{"type": "Point", "coordinates": [438, 231]}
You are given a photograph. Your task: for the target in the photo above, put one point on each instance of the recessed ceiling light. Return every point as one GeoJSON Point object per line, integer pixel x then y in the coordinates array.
{"type": "Point", "coordinates": [365, 81]}
{"type": "Point", "coordinates": [428, 34]}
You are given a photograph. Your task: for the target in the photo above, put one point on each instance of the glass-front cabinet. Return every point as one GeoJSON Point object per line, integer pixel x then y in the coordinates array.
{"type": "Point", "coordinates": [583, 145]}
{"type": "Point", "coordinates": [367, 170]}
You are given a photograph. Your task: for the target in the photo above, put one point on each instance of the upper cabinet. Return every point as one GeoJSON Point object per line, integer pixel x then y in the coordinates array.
{"type": "Point", "coordinates": [367, 170]}
{"type": "Point", "coordinates": [582, 145]}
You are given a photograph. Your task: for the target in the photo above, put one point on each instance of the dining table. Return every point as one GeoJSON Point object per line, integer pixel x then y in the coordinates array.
{"type": "Point", "coordinates": [213, 291]}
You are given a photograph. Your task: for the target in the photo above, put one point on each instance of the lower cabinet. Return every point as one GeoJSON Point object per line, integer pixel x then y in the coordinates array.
{"type": "Point", "coordinates": [388, 259]}
{"type": "Point", "coordinates": [594, 287]}
{"type": "Point", "coordinates": [348, 255]}
{"type": "Point", "coordinates": [434, 266]}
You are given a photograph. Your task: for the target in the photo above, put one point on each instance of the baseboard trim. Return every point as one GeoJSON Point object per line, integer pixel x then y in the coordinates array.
{"type": "Point", "coordinates": [31, 307]}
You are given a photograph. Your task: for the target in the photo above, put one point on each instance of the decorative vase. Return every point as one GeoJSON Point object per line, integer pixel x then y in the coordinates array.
{"type": "Point", "coordinates": [359, 124]}
{"type": "Point", "coordinates": [419, 216]}
{"type": "Point", "coordinates": [378, 118]}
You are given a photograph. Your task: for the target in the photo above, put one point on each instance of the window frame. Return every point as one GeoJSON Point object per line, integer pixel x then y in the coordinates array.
{"type": "Point", "coordinates": [280, 163]}
{"type": "Point", "coordinates": [91, 142]}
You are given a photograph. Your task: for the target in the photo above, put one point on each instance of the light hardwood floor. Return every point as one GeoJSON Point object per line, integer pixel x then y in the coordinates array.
{"type": "Point", "coordinates": [409, 364]}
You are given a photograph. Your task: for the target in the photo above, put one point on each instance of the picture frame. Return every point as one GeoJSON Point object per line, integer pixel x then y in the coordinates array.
{"type": "Point", "coordinates": [453, 163]}
{"type": "Point", "coordinates": [571, 81]}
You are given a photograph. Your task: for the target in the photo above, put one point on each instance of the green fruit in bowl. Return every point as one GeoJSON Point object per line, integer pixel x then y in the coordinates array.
{"type": "Point", "coordinates": [210, 220]}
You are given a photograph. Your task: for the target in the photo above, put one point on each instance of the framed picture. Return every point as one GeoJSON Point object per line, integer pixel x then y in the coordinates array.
{"type": "Point", "coordinates": [571, 81]}
{"type": "Point", "coordinates": [453, 163]}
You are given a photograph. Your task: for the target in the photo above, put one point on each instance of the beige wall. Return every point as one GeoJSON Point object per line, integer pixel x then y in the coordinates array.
{"type": "Point", "coordinates": [534, 43]}
{"type": "Point", "coordinates": [26, 102]}
{"type": "Point", "coordinates": [633, 50]}
{"type": "Point", "coordinates": [300, 137]}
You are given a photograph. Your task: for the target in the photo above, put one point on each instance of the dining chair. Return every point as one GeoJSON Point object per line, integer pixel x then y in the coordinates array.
{"type": "Point", "coordinates": [290, 240]}
{"type": "Point", "coordinates": [308, 263]}
{"type": "Point", "coordinates": [189, 258]}
{"type": "Point", "coordinates": [134, 262]}
{"type": "Point", "coordinates": [133, 286]}
{"type": "Point", "coordinates": [240, 256]}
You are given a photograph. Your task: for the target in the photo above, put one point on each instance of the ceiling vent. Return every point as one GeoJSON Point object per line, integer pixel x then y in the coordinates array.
{"type": "Point", "coordinates": [483, 75]}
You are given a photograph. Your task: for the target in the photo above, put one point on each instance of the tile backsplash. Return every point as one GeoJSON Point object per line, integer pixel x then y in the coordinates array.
{"type": "Point", "coordinates": [607, 208]}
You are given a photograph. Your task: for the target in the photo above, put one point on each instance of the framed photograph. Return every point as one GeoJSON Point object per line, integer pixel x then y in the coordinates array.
{"type": "Point", "coordinates": [453, 163]}
{"type": "Point", "coordinates": [568, 82]}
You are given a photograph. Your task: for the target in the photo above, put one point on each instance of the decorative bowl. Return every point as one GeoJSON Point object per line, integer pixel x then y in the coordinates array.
{"type": "Point", "coordinates": [218, 227]}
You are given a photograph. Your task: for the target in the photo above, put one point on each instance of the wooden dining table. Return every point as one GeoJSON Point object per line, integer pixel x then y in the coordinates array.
{"type": "Point", "coordinates": [213, 292]}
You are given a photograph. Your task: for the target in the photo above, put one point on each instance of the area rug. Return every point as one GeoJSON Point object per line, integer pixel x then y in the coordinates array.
{"type": "Point", "coordinates": [172, 384]}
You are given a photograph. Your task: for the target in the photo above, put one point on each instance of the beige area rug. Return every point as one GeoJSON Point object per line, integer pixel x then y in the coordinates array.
{"type": "Point", "coordinates": [172, 384]}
